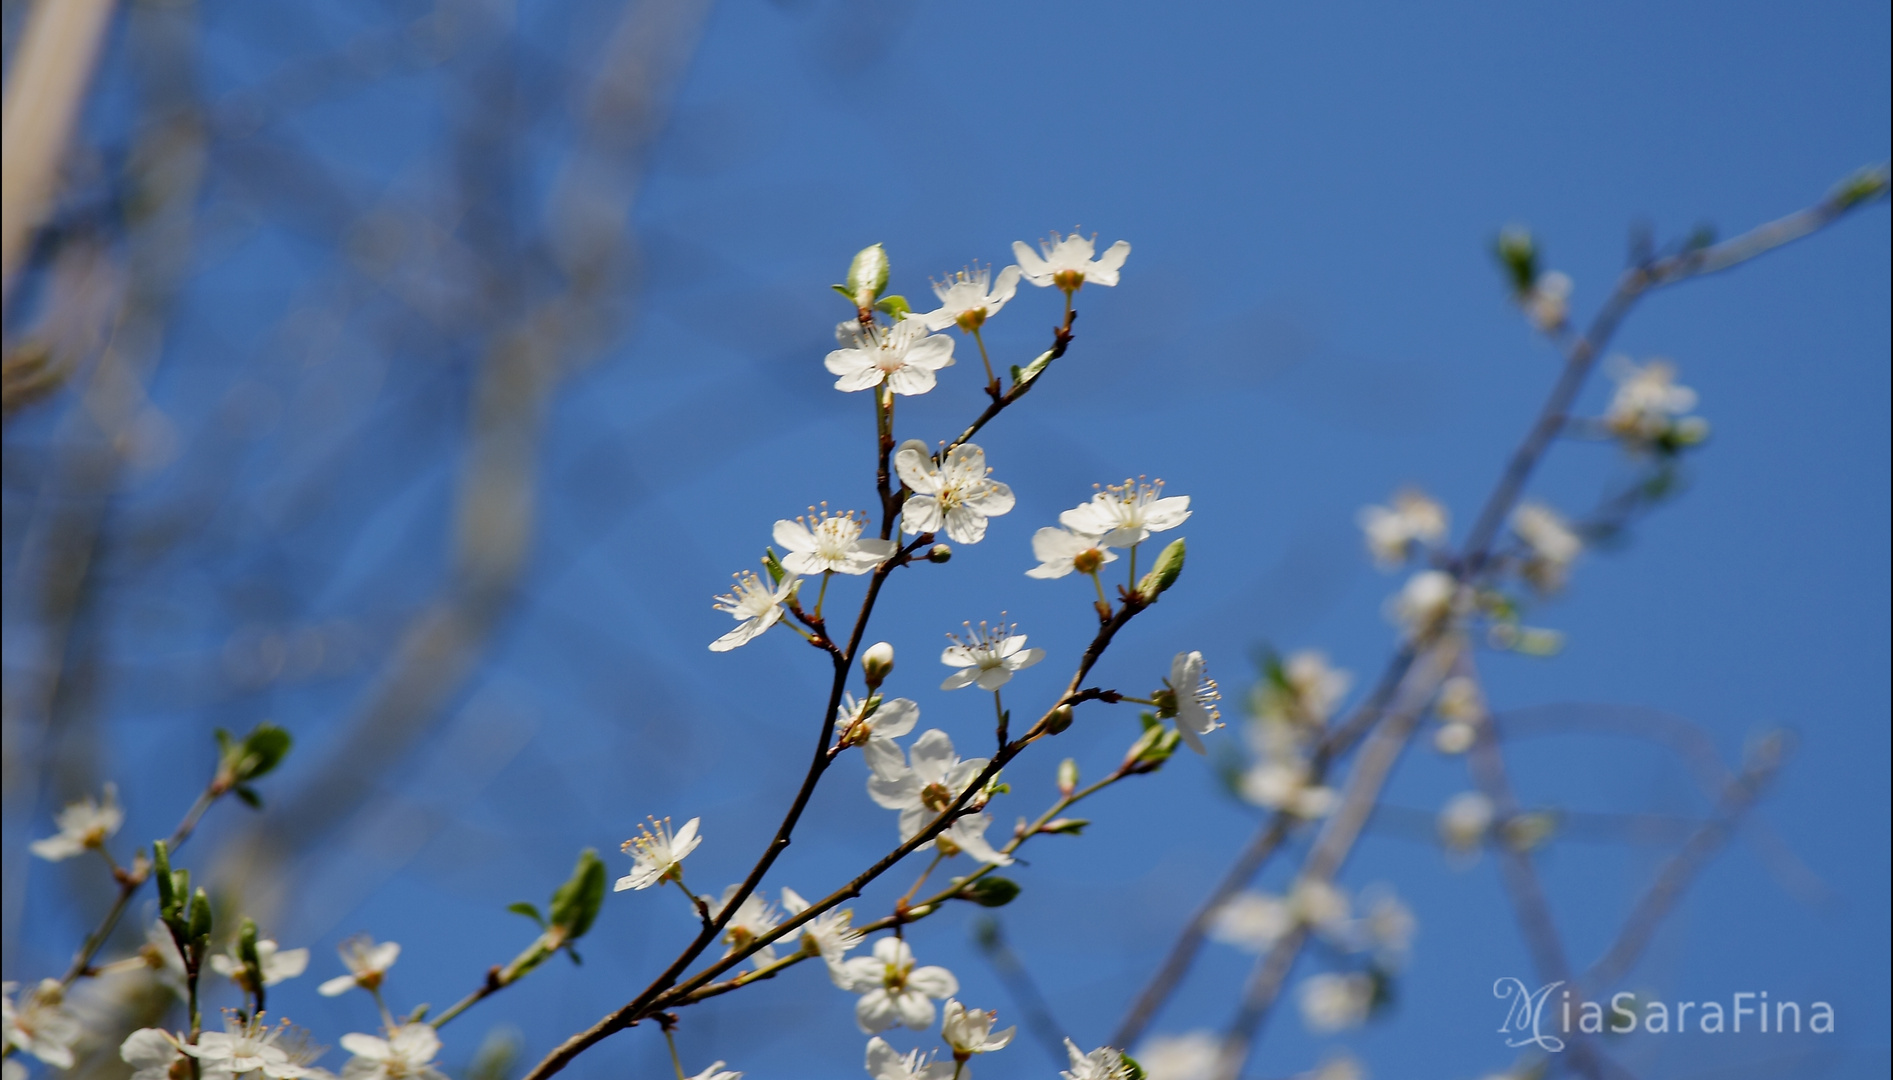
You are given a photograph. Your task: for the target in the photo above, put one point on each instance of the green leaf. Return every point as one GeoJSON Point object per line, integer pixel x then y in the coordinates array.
{"type": "Point", "coordinates": [249, 796]}
{"type": "Point", "coordinates": [523, 908]}
{"type": "Point", "coordinates": [991, 891]}
{"type": "Point", "coordinates": [1033, 369]}
{"type": "Point", "coordinates": [773, 564]}
{"type": "Point", "coordinates": [161, 871]}
{"type": "Point", "coordinates": [263, 749]}
{"type": "Point", "coordinates": [1134, 1071]}
{"type": "Point", "coordinates": [576, 902]}
{"type": "Point", "coordinates": [894, 307]}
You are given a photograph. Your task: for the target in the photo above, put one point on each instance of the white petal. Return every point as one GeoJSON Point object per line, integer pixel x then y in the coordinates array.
{"type": "Point", "coordinates": [995, 500]}
{"type": "Point", "coordinates": [965, 526]}
{"type": "Point", "coordinates": [993, 678]}
{"type": "Point", "coordinates": [914, 1008]}
{"type": "Point", "coordinates": [934, 981]}
{"type": "Point", "coordinates": [1031, 264]}
{"type": "Point", "coordinates": [875, 1012]}
{"type": "Point", "coordinates": [885, 761]}
{"type": "Point", "coordinates": [337, 986]}
{"type": "Point", "coordinates": [916, 468]}
{"type": "Point", "coordinates": [896, 717]}
{"type": "Point", "coordinates": [896, 793]}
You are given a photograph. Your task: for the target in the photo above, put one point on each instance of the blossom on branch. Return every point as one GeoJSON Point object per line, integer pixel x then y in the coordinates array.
{"type": "Point", "coordinates": [658, 854]}
{"type": "Point", "coordinates": [1195, 696]}
{"type": "Point", "coordinates": [755, 607]}
{"type": "Point", "coordinates": [831, 544]}
{"type": "Point", "coordinates": [249, 1045]}
{"type": "Point", "coordinates": [987, 656]}
{"type": "Point", "coordinates": [1190, 1056]}
{"type": "Point", "coordinates": [1333, 1002]}
{"type": "Point", "coordinates": [716, 1071]}
{"type": "Point", "coordinates": [1392, 531]}
{"type": "Point", "coordinates": [1104, 1063]}
{"type": "Point", "coordinates": [754, 918]}
{"type": "Point", "coordinates": [41, 1025]}
{"type": "Point", "coordinates": [967, 835]}
{"type": "Point", "coordinates": [1553, 545]}
{"type": "Point", "coordinates": [970, 1031]}
{"type": "Point", "coordinates": [274, 963]}
{"type": "Point", "coordinates": [1124, 515]}
{"type": "Point", "coordinates": [894, 991]}
{"type": "Point", "coordinates": [1061, 551]}
{"type": "Point", "coordinates": [406, 1054]}
{"type": "Point", "coordinates": [966, 302]}
{"type": "Point", "coordinates": [955, 494]}
{"type": "Point", "coordinates": [1428, 596]}
{"type": "Point", "coordinates": [153, 1052]}
{"type": "Point", "coordinates": [367, 965]}
{"type": "Point", "coordinates": [85, 824]}
{"type": "Point", "coordinates": [929, 785]}
{"type": "Point", "coordinates": [1066, 262]}
{"type": "Point", "coordinates": [904, 356]}
{"type": "Point", "coordinates": [873, 724]}
{"type": "Point", "coordinates": [830, 935]}
{"type": "Point", "coordinates": [886, 1063]}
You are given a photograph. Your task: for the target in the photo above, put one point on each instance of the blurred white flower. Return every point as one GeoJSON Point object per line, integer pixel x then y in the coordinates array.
{"type": "Point", "coordinates": [1123, 515]}
{"type": "Point", "coordinates": [367, 964]}
{"type": "Point", "coordinates": [754, 918]}
{"type": "Point", "coordinates": [1548, 302]}
{"type": "Point", "coordinates": [1252, 921]}
{"type": "Point", "coordinates": [1303, 690]}
{"type": "Point", "coordinates": [40, 1025]}
{"type": "Point", "coordinates": [658, 855]}
{"type": "Point", "coordinates": [1196, 697]}
{"type": "Point", "coordinates": [829, 935]}
{"type": "Point", "coordinates": [87, 823]}
{"type": "Point", "coordinates": [1648, 400]}
{"type": "Point", "coordinates": [1391, 531]}
{"type": "Point", "coordinates": [1319, 906]}
{"type": "Point", "coordinates": [151, 1053]}
{"type": "Point", "coordinates": [716, 1071]}
{"type": "Point", "coordinates": [1427, 597]}
{"type": "Point", "coordinates": [1060, 552]}
{"type": "Point", "coordinates": [406, 1054]}
{"type": "Point", "coordinates": [1104, 1063]}
{"type": "Point", "coordinates": [1066, 262]}
{"type": "Point", "coordinates": [904, 355]}
{"type": "Point", "coordinates": [886, 1063]}
{"type": "Point", "coordinates": [1553, 544]}
{"type": "Point", "coordinates": [1342, 1066]}
{"type": "Point", "coordinates": [1388, 927]}
{"type": "Point", "coordinates": [967, 835]}
{"type": "Point", "coordinates": [754, 605]}
{"type": "Point", "coordinates": [955, 494]}
{"type": "Point", "coordinates": [1190, 1056]}
{"type": "Point", "coordinates": [966, 302]}
{"type": "Point", "coordinates": [932, 782]}
{"type": "Point", "coordinates": [1333, 1002]}
{"type": "Point", "coordinates": [970, 1031]}
{"type": "Point", "coordinates": [894, 991]}
{"type": "Point", "coordinates": [873, 724]}
{"type": "Point", "coordinates": [987, 656]}
{"type": "Point", "coordinates": [1287, 783]}
{"type": "Point", "coordinates": [830, 543]}
{"type": "Point", "coordinates": [1465, 820]}
{"type": "Point", "coordinates": [273, 963]}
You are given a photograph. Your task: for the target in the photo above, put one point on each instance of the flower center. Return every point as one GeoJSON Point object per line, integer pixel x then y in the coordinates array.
{"type": "Point", "coordinates": [1069, 280]}
{"type": "Point", "coordinates": [936, 797]}
{"type": "Point", "coordinates": [1087, 561]}
{"type": "Point", "coordinates": [971, 319]}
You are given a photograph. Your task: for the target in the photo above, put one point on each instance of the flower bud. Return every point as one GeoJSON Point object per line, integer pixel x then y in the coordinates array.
{"type": "Point", "coordinates": [1060, 719]}
{"type": "Point", "coordinates": [877, 662]}
{"type": "Point", "coordinates": [1067, 776]}
{"type": "Point", "coordinates": [1164, 574]}
{"type": "Point", "coordinates": [940, 553]}
{"type": "Point", "coordinates": [867, 276]}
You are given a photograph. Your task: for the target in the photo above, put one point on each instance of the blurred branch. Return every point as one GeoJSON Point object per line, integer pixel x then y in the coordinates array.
{"type": "Point", "coordinates": [45, 88]}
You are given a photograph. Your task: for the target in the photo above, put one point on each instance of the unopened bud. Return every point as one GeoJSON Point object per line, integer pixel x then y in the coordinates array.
{"type": "Point", "coordinates": [1067, 776]}
{"type": "Point", "coordinates": [867, 276]}
{"type": "Point", "coordinates": [877, 662]}
{"type": "Point", "coordinates": [939, 553]}
{"type": "Point", "coordinates": [1059, 720]}
{"type": "Point", "coordinates": [1165, 572]}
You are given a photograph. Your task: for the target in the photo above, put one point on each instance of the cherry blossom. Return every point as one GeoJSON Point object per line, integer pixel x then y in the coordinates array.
{"type": "Point", "coordinates": [955, 494]}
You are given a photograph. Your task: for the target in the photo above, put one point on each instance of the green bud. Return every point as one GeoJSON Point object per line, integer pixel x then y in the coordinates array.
{"type": "Point", "coordinates": [1060, 720]}
{"type": "Point", "coordinates": [991, 891]}
{"type": "Point", "coordinates": [772, 564]}
{"type": "Point", "coordinates": [1067, 774]}
{"type": "Point", "coordinates": [867, 276]}
{"type": "Point", "coordinates": [1065, 826]}
{"type": "Point", "coordinates": [1518, 254]}
{"type": "Point", "coordinates": [1164, 573]}
{"type": "Point", "coordinates": [200, 915]}
{"type": "Point", "coordinates": [1528, 830]}
{"type": "Point", "coordinates": [161, 870]}
{"type": "Point", "coordinates": [257, 755]}
{"type": "Point", "coordinates": [939, 553]}
{"type": "Point", "coordinates": [1867, 184]}
{"type": "Point", "coordinates": [576, 902]}
{"type": "Point", "coordinates": [1031, 371]}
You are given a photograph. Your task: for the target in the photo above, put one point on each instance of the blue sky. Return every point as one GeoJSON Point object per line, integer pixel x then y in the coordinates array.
{"type": "Point", "coordinates": [1309, 319]}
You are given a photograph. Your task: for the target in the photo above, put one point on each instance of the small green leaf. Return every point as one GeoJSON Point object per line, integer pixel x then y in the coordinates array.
{"type": "Point", "coordinates": [523, 908]}
{"type": "Point", "coordinates": [249, 796]}
{"type": "Point", "coordinates": [773, 564]}
{"type": "Point", "coordinates": [894, 307]}
{"type": "Point", "coordinates": [263, 749]}
{"type": "Point", "coordinates": [991, 891]}
{"type": "Point", "coordinates": [573, 953]}
{"type": "Point", "coordinates": [1033, 369]}
{"type": "Point", "coordinates": [1134, 1071]}
{"type": "Point", "coordinates": [161, 871]}
{"type": "Point", "coordinates": [576, 902]}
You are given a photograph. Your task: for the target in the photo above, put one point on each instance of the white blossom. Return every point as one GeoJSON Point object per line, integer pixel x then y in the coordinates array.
{"type": "Point", "coordinates": [754, 918]}
{"type": "Point", "coordinates": [829, 935]}
{"type": "Point", "coordinates": [1319, 906]}
{"type": "Point", "coordinates": [40, 1025]}
{"type": "Point", "coordinates": [987, 656]}
{"type": "Point", "coordinates": [367, 965]}
{"type": "Point", "coordinates": [904, 355]}
{"type": "Point", "coordinates": [1427, 597]}
{"type": "Point", "coordinates": [274, 963]}
{"type": "Point", "coordinates": [967, 835]}
{"type": "Point", "coordinates": [1649, 401]}
{"type": "Point", "coordinates": [1190, 1056]}
{"type": "Point", "coordinates": [1553, 544]}
{"type": "Point", "coordinates": [970, 1031]}
{"type": "Point", "coordinates": [407, 1052]}
{"type": "Point", "coordinates": [965, 300]}
{"type": "Point", "coordinates": [87, 823]}
{"type": "Point", "coordinates": [1465, 820]}
{"type": "Point", "coordinates": [831, 543]}
{"type": "Point", "coordinates": [716, 1071]}
{"type": "Point", "coordinates": [1104, 1063]}
{"type": "Point", "coordinates": [873, 724]}
{"type": "Point", "coordinates": [1388, 927]}
{"type": "Point", "coordinates": [161, 956]}
{"type": "Point", "coordinates": [1392, 531]}
{"type": "Point", "coordinates": [754, 605]}
{"type": "Point", "coordinates": [1123, 515]}
{"type": "Point", "coordinates": [1066, 262]}
{"type": "Point", "coordinates": [955, 494]}
{"type": "Point", "coordinates": [1548, 302]}
{"type": "Point", "coordinates": [1287, 783]}
{"type": "Point", "coordinates": [1333, 1002]}
{"type": "Point", "coordinates": [247, 1046]}
{"type": "Point", "coordinates": [894, 991]}
{"type": "Point", "coordinates": [929, 785]}
{"type": "Point", "coordinates": [152, 1052]}
{"type": "Point", "coordinates": [1196, 696]}
{"type": "Point", "coordinates": [1252, 921]}
{"type": "Point", "coordinates": [658, 854]}
{"type": "Point", "coordinates": [1454, 737]}
{"type": "Point", "coordinates": [886, 1063]}
{"type": "Point", "coordinates": [1061, 551]}
{"type": "Point", "coordinates": [1307, 691]}
{"type": "Point", "coordinates": [1342, 1066]}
